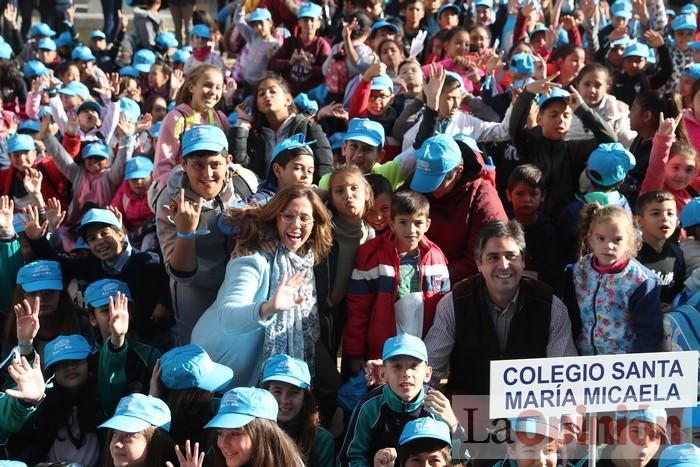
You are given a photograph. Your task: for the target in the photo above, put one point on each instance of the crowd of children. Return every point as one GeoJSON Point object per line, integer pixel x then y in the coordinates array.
{"type": "Point", "coordinates": [248, 243]}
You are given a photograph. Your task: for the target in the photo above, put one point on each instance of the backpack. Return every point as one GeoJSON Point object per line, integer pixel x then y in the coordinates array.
{"type": "Point", "coordinates": [682, 330]}
{"type": "Point", "coordinates": [337, 77]}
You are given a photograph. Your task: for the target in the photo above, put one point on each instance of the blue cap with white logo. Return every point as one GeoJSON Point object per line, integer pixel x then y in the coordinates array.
{"type": "Point", "coordinates": [143, 60]}
{"type": "Point", "coordinates": [241, 406]}
{"type": "Point", "coordinates": [41, 29]}
{"type": "Point", "coordinates": [98, 293]}
{"type": "Point", "coordinates": [98, 35]}
{"type": "Point", "coordinates": [166, 40]}
{"type": "Point", "coordinates": [690, 216]}
{"type": "Point", "coordinates": [382, 23]}
{"type": "Point", "coordinates": [425, 428]}
{"type": "Point", "coordinates": [309, 10]}
{"type": "Point", "coordinates": [40, 275]}
{"type": "Point", "coordinates": [189, 366]}
{"type": "Point", "coordinates": [636, 49]}
{"type": "Point", "coordinates": [692, 71]}
{"type": "Point", "coordinates": [98, 216]}
{"type": "Point", "coordinates": [46, 43]}
{"type": "Point", "coordinates": [522, 64]}
{"type": "Point", "coordinates": [405, 345]}
{"type": "Point", "coordinates": [62, 348]}
{"type": "Point", "coordinates": [539, 27]}
{"type": "Point", "coordinates": [293, 142]}
{"type": "Point", "coordinates": [20, 142]}
{"type": "Point", "coordinates": [75, 88]}
{"type": "Point", "coordinates": [609, 163]}
{"type": "Point", "coordinates": [449, 6]}
{"type": "Point", "coordinates": [201, 30]}
{"type": "Point", "coordinates": [203, 138]}
{"type": "Point", "coordinates": [138, 167]}
{"type": "Point", "coordinates": [82, 54]}
{"type": "Point", "coordinates": [684, 23]}
{"type": "Point", "coordinates": [137, 412]}
{"type": "Point", "coordinates": [382, 83]}
{"type": "Point", "coordinates": [555, 95]}
{"type": "Point", "coordinates": [129, 71]}
{"type": "Point", "coordinates": [365, 131]}
{"type": "Point", "coordinates": [286, 369]}
{"type": "Point", "coordinates": [436, 157]}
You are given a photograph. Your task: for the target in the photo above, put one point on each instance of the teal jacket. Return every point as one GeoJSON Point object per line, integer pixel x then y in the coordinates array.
{"type": "Point", "coordinates": [11, 260]}
{"type": "Point", "coordinates": [13, 415]}
{"type": "Point", "coordinates": [323, 454]}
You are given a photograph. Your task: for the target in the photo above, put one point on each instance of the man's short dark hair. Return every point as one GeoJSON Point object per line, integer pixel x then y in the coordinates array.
{"type": "Point", "coordinates": [500, 229]}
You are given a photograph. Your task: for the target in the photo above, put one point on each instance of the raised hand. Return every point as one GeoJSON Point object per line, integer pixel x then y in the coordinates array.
{"type": "Point", "coordinates": [333, 110]}
{"type": "Point", "coordinates": [191, 458]}
{"type": "Point", "coordinates": [568, 23]}
{"type": "Point", "coordinates": [114, 83]}
{"type": "Point", "coordinates": [653, 39]}
{"type": "Point", "coordinates": [72, 126]}
{"type": "Point", "coordinates": [123, 20]}
{"type": "Point", "coordinates": [117, 213]}
{"type": "Point", "coordinates": [125, 127]}
{"type": "Point", "coordinates": [347, 29]}
{"type": "Point", "coordinates": [385, 457]}
{"type": "Point", "coordinates": [374, 372]}
{"type": "Point", "coordinates": [54, 214]}
{"type": "Point", "coordinates": [10, 14]}
{"type": "Point", "coordinates": [286, 296]}
{"type": "Point", "coordinates": [540, 67]}
{"type": "Point", "coordinates": [33, 228]}
{"type": "Point", "coordinates": [177, 79]}
{"type": "Point", "coordinates": [667, 126]}
{"type": "Point", "coordinates": [7, 209]}
{"type": "Point", "coordinates": [145, 123]}
{"type": "Point", "coordinates": [187, 215]}
{"type": "Point", "coordinates": [27, 317]}
{"type": "Point", "coordinates": [543, 86]}
{"type": "Point", "coordinates": [69, 14]}
{"type": "Point", "coordinates": [433, 87]}
{"type": "Point", "coordinates": [377, 68]}
{"type": "Point", "coordinates": [230, 90]}
{"type": "Point", "coordinates": [493, 61]}
{"type": "Point", "coordinates": [551, 36]}
{"type": "Point", "coordinates": [118, 320]}
{"type": "Point", "coordinates": [439, 405]}
{"type": "Point", "coordinates": [29, 380]}
{"type": "Point", "coordinates": [48, 128]}
{"type": "Point", "coordinates": [32, 181]}
{"type": "Point", "coordinates": [574, 99]}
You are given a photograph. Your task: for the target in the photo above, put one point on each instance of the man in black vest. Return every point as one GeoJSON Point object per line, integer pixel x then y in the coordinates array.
{"type": "Point", "coordinates": [497, 314]}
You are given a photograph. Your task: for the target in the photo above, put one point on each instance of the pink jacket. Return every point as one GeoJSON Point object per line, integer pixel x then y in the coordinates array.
{"type": "Point", "coordinates": [135, 209]}
{"type": "Point", "coordinates": [654, 178]}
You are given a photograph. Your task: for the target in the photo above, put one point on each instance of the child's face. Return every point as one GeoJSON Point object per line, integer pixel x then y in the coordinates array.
{"type": "Point", "coordinates": [593, 87]}
{"type": "Point", "coordinates": [49, 300]}
{"type": "Point", "coordinates": [450, 100]}
{"type": "Point", "coordinates": [425, 459]}
{"type": "Point", "coordinates": [235, 445]}
{"type": "Point", "coordinates": [360, 154]}
{"type": "Point", "coordinates": [72, 73]}
{"type": "Point", "coordinates": [685, 86]}
{"type": "Point", "coordinates": [483, 14]}
{"type": "Point", "coordinates": [139, 186]}
{"type": "Point", "coordinates": [349, 195]}
{"type": "Point", "coordinates": [309, 26]}
{"type": "Point", "coordinates": [88, 119]}
{"type": "Point", "coordinates": [298, 170]}
{"type": "Point", "coordinates": [638, 117]}
{"type": "Point", "coordinates": [290, 400]}
{"type": "Point", "coordinates": [271, 97]}
{"type": "Point", "coordinates": [156, 78]}
{"type": "Point", "coordinates": [555, 120]}
{"type": "Point", "coordinates": [95, 164]}
{"type": "Point", "coordinates": [448, 19]}
{"type": "Point", "coordinates": [100, 320]}
{"type": "Point", "coordinates": [658, 220]}
{"type": "Point", "coordinates": [633, 66]}
{"type": "Point", "coordinates": [572, 64]}
{"type": "Point", "coordinates": [538, 40]}
{"type": "Point", "coordinates": [412, 74]}
{"type": "Point", "coordinates": [615, 56]}
{"type": "Point", "coordinates": [71, 374]}
{"type": "Point", "coordinates": [71, 102]}
{"type": "Point", "coordinates": [159, 109]}
{"type": "Point", "coordinates": [105, 242]}
{"type": "Point", "coordinates": [207, 174]}
{"type": "Point", "coordinates": [295, 224]}
{"type": "Point", "coordinates": [680, 171]}
{"type": "Point", "coordinates": [409, 230]}
{"type": "Point", "coordinates": [379, 101]}
{"type": "Point", "coordinates": [638, 443]}
{"type": "Point", "coordinates": [391, 56]}
{"type": "Point", "coordinates": [479, 39]}
{"type": "Point", "coordinates": [406, 376]}
{"type": "Point", "coordinates": [128, 449]}
{"type": "Point", "coordinates": [414, 13]}
{"type": "Point", "coordinates": [378, 215]}
{"type": "Point", "coordinates": [197, 42]}
{"type": "Point", "coordinates": [458, 45]}
{"type": "Point", "coordinates": [47, 57]}
{"type": "Point", "coordinates": [98, 44]}
{"type": "Point", "coordinates": [682, 38]}
{"type": "Point", "coordinates": [533, 451]}
{"type": "Point", "coordinates": [381, 35]}
{"type": "Point", "coordinates": [526, 200]}
{"type": "Point", "coordinates": [263, 28]}
{"type": "Point", "coordinates": [86, 67]}
{"type": "Point", "coordinates": [207, 91]}
{"type": "Point", "coordinates": [609, 241]}
{"type": "Point", "coordinates": [22, 160]}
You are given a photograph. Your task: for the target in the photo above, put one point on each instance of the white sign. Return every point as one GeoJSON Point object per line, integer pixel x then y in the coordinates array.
{"type": "Point", "coordinates": [555, 386]}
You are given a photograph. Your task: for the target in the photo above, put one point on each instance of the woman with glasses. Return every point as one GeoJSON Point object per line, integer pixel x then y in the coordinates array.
{"type": "Point", "coordinates": [268, 299]}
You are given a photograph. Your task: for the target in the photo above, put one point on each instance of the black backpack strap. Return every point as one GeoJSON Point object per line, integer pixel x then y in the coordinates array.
{"type": "Point", "coordinates": [240, 186]}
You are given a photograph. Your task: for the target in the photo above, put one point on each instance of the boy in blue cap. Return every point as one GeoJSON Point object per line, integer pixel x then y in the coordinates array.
{"type": "Point", "coordinates": [379, 419]}
{"type": "Point", "coordinates": [202, 52]}
{"type": "Point", "coordinates": [531, 440]}
{"type": "Point", "coordinates": [637, 437]}
{"type": "Point", "coordinates": [300, 58]}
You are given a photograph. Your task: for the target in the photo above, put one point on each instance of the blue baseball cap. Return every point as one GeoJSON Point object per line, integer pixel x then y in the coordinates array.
{"type": "Point", "coordinates": [436, 157]}
{"type": "Point", "coordinates": [293, 142]}
{"type": "Point", "coordinates": [166, 40]}
{"type": "Point", "coordinates": [95, 149]}
{"type": "Point", "coordinates": [636, 49]}
{"type": "Point", "coordinates": [98, 216]}
{"type": "Point", "coordinates": [130, 109]}
{"type": "Point", "coordinates": [522, 64]}
{"type": "Point", "coordinates": [137, 412]}
{"type": "Point", "coordinates": [555, 95]}
{"type": "Point", "coordinates": [425, 428]}
{"type": "Point", "coordinates": [621, 9]}
{"type": "Point", "coordinates": [91, 105]}
{"type": "Point", "coordinates": [155, 129]}
{"type": "Point", "coordinates": [621, 42]}
{"type": "Point", "coordinates": [41, 29]}
{"type": "Point", "coordinates": [305, 103]}
{"type": "Point", "coordinates": [286, 369]}
{"type": "Point", "coordinates": [692, 71]}
{"type": "Point", "coordinates": [457, 78]}
{"type": "Point", "coordinates": [449, 6]}
{"type": "Point", "coordinates": [655, 416]}
{"type": "Point", "coordinates": [365, 131]}
{"type": "Point", "coordinates": [309, 10]}
{"type": "Point", "coordinates": [46, 43]}
{"type": "Point", "coordinates": [241, 406]}
{"type": "Point", "coordinates": [97, 34]}
{"type": "Point", "coordinates": [233, 116]}
{"type": "Point", "coordinates": [405, 345]}
{"type": "Point", "coordinates": [684, 22]}
{"type": "Point", "coordinates": [44, 111]}
{"type": "Point", "coordinates": [695, 45]}
{"type": "Point", "coordinates": [129, 71]}
{"type": "Point", "coordinates": [143, 60]}
{"type": "Point", "coordinates": [189, 366]}
{"type": "Point", "coordinates": [180, 56]}
{"type": "Point", "coordinates": [20, 142]}
{"type": "Point", "coordinates": [82, 53]}
{"type": "Point", "coordinates": [680, 455]}
{"type": "Point", "coordinates": [609, 163]}
{"type": "Point", "coordinates": [138, 167]}
{"type": "Point", "coordinates": [382, 83]}
{"type": "Point", "coordinates": [204, 138]}
{"type": "Point", "coordinates": [40, 275]}
{"type": "Point", "coordinates": [75, 88]}
{"type": "Point", "coordinates": [64, 39]}
{"type": "Point", "coordinates": [34, 68]}
{"type": "Point", "coordinates": [539, 27]}
{"type": "Point", "coordinates": [99, 292]}
{"type": "Point", "coordinates": [689, 9]}
{"type": "Point", "coordinates": [535, 425]}
{"type": "Point", "coordinates": [382, 23]}
{"type": "Point", "coordinates": [28, 126]}
{"type": "Point", "coordinates": [5, 51]}
{"type": "Point", "coordinates": [336, 140]}
{"type": "Point", "coordinates": [260, 14]}
{"type": "Point", "coordinates": [201, 30]}
{"type": "Point", "coordinates": [62, 348]}
{"type": "Point", "coordinates": [484, 3]}
{"type": "Point", "coordinates": [690, 216]}
{"type": "Point", "coordinates": [691, 415]}
{"type": "Point", "coordinates": [670, 12]}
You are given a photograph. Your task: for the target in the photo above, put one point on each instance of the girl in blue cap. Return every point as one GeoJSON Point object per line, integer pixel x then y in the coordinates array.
{"type": "Point", "coordinates": [288, 380]}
